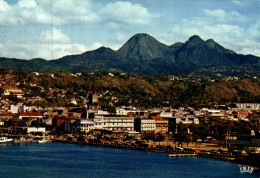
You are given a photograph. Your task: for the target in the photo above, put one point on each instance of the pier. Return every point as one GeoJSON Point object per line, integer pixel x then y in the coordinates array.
{"type": "Point", "coordinates": [181, 155]}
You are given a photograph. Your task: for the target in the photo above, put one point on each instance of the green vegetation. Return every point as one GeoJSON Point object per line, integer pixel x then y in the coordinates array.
{"type": "Point", "coordinates": [58, 88]}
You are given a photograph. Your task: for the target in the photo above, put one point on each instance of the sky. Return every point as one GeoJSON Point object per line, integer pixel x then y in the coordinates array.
{"type": "Point", "coordinates": [51, 29]}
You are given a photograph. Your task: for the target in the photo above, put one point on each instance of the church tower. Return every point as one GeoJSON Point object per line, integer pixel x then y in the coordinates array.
{"type": "Point", "coordinates": [93, 98]}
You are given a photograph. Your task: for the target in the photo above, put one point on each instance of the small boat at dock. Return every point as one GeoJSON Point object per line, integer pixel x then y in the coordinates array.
{"type": "Point", "coordinates": [5, 140]}
{"type": "Point", "coordinates": [23, 140]}
{"type": "Point", "coordinates": [43, 141]}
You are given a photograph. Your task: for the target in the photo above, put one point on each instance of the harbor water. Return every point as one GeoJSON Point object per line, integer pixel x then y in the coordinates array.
{"type": "Point", "coordinates": [72, 160]}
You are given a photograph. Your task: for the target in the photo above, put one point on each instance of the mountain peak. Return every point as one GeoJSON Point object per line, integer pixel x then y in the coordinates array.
{"type": "Point", "coordinates": [195, 38]}
{"type": "Point", "coordinates": [214, 45]}
{"type": "Point", "coordinates": [141, 35]}
{"type": "Point", "coordinates": [101, 51]}
{"type": "Point", "coordinates": [141, 38]}
{"type": "Point", "coordinates": [142, 46]}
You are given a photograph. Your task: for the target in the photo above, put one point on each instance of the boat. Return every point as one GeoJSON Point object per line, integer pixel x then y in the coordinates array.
{"type": "Point", "coordinates": [5, 140]}
{"type": "Point", "coordinates": [23, 140]}
{"type": "Point", "coordinates": [43, 141]}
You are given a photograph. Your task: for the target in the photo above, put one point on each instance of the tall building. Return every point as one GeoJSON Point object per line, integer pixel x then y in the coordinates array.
{"type": "Point", "coordinates": [93, 98]}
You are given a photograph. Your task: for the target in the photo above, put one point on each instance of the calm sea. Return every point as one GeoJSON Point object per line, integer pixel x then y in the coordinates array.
{"type": "Point", "coordinates": [69, 160]}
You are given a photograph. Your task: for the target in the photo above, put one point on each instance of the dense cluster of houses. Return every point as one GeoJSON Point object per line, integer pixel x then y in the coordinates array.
{"type": "Point", "coordinates": [32, 119]}
{"type": "Point", "coordinates": [20, 118]}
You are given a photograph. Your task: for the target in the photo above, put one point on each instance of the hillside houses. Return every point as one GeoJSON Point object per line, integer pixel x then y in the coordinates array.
{"type": "Point", "coordinates": [13, 91]}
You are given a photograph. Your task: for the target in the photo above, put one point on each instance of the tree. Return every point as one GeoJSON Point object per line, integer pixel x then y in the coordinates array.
{"type": "Point", "coordinates": [182, 134]}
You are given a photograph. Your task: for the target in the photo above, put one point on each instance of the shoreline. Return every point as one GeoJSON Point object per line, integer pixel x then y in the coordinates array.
{"type": "Point", "coordinates": [168, 150]}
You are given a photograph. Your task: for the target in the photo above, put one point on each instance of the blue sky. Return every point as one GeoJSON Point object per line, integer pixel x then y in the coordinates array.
{"type": "Point", "coordinates": [53, 28]}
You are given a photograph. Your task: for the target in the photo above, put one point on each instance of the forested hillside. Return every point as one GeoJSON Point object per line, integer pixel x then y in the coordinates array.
{"type": "Point", "coordinates": [58, 88]}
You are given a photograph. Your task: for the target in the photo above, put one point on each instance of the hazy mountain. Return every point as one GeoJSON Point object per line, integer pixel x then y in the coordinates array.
{"type": "Point", "coordinates": [143, 54]}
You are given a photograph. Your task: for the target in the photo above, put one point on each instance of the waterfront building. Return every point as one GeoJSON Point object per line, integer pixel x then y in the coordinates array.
{"type": "Point", "coordinates": [161, 124]}
{"type": "Point", "coordinates": [188, 119]}
{"type": "Point", "coordinates": [27, 118]}
{"type": "Point", "coordinates": [64, 123]}
{"type": "Point", "coordinates": [113, 122]}
{"type": "Point", "coordinates": [243, 140]}
{"type": "Point", "coordinates": [144, 125]}
{"type": "Point", "coordinates": [85, 125]}
{"type": "Point", "coordinates": [33, 130]}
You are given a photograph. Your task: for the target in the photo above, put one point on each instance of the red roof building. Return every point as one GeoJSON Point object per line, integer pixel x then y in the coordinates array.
{"type": "Point", "coordinates": [161, 124]}
{"type": "Point", "coordinates": [22, 115]}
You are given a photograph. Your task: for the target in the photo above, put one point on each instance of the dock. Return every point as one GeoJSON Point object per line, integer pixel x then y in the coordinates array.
{"type": "Point", "coordinates": [181, 155]}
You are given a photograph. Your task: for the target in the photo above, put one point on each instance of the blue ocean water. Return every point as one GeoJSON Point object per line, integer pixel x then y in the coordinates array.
{"type": "Point", "coordinates": [71, 160]}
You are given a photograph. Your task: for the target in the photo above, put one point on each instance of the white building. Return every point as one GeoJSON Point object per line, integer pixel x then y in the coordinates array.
{"type": "Point", "coordinates": [145, 125]}
{"type": "Point", "coordinates": [19, 108]}
{"type": "Point", "coordinates": [36, 129]}
{"type": "Point", "coordinates": [85, 125]}
{"type": "Point", "coordinates": [29, 115]}
{"type": "Point", "coordinates": [187, 120]}
{"type": "Point", "coordinates": [114, 122]}
{"type": "Point", "coordinates": [125, 110]}
{"type": "Point", "coordinates": [248, 106]}
{"type": "Point", "coordinates": [215, 112]}
{"type": "Point", "coordinates": [166, 114]}
{"type": "Point", "coordinates": [14, 91]}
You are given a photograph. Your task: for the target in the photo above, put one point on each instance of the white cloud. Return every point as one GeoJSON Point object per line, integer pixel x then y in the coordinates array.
{"type": "Point", "coordinates": [58, 12]}
{"type": "Point", "coordinates": [95, 45]}
{"type": "Point", "coordinates": [114, 25]}
{"type": "Point", "coordinates": [254, 30]}
{"type": "Point", "coordinates": [8, 15]}
{"type": "Point", "coordinates": [238, 2]}
{"type": "Point", "coordinates": [75, 11]}
{"type": "Point", "coordinates": [129, 13]}
{"type": "Point", "coordinates": [223, 16]}
{"type": "Point", "coordinates": [53, 44]}
{"type": "Point", "coordinates": [240, 38]}
{"type": "Point", "coordinates": [4, 6]}
{"type": "Point", "coordinates": [34, 49]}
{"type": "Point", "coordinates": [27, 4]}
{"type": "Point", "coordinates": [63, 12]}
{"type": "Point", "coordinates": [54, 35]}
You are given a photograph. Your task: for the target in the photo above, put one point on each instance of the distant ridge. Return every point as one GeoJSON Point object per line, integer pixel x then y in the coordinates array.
{"type": "Point", "coordinates": [145, 55]}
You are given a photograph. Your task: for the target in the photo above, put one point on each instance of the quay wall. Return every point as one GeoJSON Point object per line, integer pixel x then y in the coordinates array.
{"type": "Point", "coordinates": [251, 159]}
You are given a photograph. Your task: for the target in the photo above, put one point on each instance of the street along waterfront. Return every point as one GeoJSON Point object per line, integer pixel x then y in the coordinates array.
{"type": "Point", "coordinates": [73, 160]}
